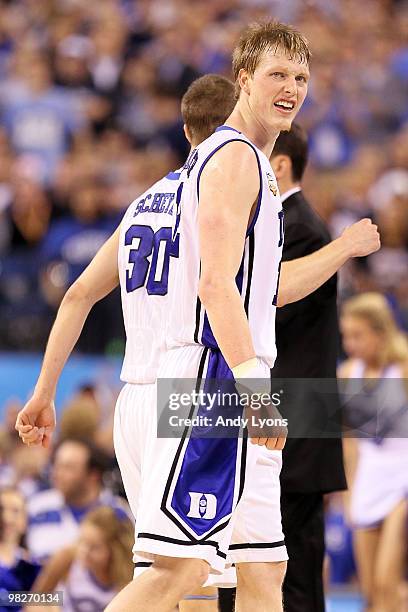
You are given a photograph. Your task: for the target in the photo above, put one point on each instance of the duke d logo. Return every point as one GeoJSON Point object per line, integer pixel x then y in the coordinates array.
{"type": "Point", "coordinates": [202, 505]}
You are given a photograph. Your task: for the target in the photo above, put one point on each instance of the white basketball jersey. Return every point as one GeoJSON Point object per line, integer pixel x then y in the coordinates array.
{"type": "Point", "coordinates": [145, 255]}
{"type": "Point", "coordinates": [258, 276]}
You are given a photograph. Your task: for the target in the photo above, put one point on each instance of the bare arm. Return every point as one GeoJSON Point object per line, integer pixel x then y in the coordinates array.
{"type": "Point", "coordinates": [36, 421]}
{"type": "Point", "coordinates": [55, 570]}
{"type": "Point", "coordinates": [229, 186]}
{"type": "Point", "coordinates": [99, 279]}
{"type": "Point", "coordinates": [304, 275]}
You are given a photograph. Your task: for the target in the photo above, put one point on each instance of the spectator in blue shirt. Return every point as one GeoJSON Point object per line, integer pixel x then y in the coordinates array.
{"type": "Point", "coordinates": [55, 514]}
{"type": "Point", "coordinates": [40, 118]}
{"type": "Point", "coordinates": [17, 571]}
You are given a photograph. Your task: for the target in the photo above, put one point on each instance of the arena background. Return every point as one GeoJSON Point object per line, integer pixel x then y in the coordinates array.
{"type": "Point", "coordinates": [89, 118]}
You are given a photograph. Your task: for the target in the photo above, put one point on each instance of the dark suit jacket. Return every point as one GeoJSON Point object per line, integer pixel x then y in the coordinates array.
{"type": "Point", "coordinates": [307, 346]}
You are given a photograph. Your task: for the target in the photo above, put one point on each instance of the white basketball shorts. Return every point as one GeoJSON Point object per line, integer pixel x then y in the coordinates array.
{"type": "Point", "coordinates": [216, 499]}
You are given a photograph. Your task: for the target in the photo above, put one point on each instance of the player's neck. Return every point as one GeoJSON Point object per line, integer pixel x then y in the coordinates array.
{"type": "Point", "coordinates": [243, 120]}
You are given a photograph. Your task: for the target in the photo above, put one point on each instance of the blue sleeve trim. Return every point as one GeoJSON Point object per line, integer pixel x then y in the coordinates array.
{"type": "Point", "coordinates": [227, 127]}
{"type": "Point", "coordinates": [258, 204]}
{"type": "Point", "coordinates": [173, 176]}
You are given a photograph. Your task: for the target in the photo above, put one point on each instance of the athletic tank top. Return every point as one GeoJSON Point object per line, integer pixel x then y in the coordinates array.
{"type": "Point", "coordinates": [146, 253]}
{"type": "Point", "coordinates": [258, 275]}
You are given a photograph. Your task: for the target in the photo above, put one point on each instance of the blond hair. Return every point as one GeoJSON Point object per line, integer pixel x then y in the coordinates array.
{"type": "Point", "coordinates": [118, 533]}
{"type": "Point", "coordinates": [375, 310]}
{"type": "Point", "coordinates": [260, 38]}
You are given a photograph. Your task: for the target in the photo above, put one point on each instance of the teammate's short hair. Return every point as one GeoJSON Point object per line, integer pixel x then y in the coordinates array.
{"type": "Point", "coordinates": [294, 145]}
{"type": "Point", "coordinates": [259, 38]}
{"type": "Point", "coordinates": [206, 104]}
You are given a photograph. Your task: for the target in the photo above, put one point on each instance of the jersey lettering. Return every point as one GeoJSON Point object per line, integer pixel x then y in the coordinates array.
{"type": "Point", "coordinates": [145, 243]}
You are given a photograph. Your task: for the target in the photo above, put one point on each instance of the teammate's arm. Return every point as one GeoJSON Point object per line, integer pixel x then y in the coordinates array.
{"type": "Point", "coordinates": [228, 187]}
{"type": "Point", "coordinates": [302, 276]}
{"type": "Point", "coordinates": [36, 421]}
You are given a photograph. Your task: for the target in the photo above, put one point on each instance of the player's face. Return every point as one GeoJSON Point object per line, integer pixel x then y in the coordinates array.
{"type": "Point", "coordinates": [93, 551]}
{"type": "Point", "coordinates": [359, 339]}
{"type": "Point", "coordinates": [12, 517]}
{"type": "Point", "coordinates": [278, 89]}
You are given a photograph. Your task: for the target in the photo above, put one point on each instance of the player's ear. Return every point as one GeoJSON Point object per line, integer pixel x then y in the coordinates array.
{"type": "Point", "coordinates": [243, 80]}
{"type": "Point", "coordinates": [187, 133]}
{"type": "Point", "coordinates": [281, 166]}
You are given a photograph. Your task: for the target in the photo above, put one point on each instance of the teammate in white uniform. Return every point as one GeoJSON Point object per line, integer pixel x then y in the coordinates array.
{"type": "Point", "coordinates": [378, 475]}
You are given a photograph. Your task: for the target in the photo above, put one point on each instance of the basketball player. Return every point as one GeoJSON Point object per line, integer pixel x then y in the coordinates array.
{"type": "Point", "coordinates": [207, 502]}
{"type": "Point", "coordinates": [154, 590]}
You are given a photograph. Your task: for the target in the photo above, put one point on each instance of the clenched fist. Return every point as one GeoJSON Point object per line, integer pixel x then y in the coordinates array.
{"type": "Point", "coordinates": [362, 238]}
{"type": "Point", "coordinates": [36, 422]}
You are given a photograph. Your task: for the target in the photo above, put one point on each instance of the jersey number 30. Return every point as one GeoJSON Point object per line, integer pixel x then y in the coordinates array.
{"type": "Point", "coordinates": [153, 273]}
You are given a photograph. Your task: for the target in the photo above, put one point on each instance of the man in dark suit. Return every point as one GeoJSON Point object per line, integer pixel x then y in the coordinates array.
{"type": "Point", "coordinates": [307, 347]}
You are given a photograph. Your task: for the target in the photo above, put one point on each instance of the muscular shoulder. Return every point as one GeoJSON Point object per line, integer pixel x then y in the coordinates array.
{"type": "Point", "coordinates": [233, 167]}
{"type": "Point", "coordinates": [233, 157]}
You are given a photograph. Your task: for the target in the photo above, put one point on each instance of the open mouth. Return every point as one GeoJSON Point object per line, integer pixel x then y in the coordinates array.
{"type": "Point", "coordinates": [284, 106]}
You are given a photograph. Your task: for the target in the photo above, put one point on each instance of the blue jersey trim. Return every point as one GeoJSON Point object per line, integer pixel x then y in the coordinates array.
{"type": "Point", "coordinates": [207, 337]}
{"type": "Point", "coordinates": [258, 204]}
{"type": "Point", "coordinates": [227, 127]}
{"type": "Point", "coordinates": [173, 176]}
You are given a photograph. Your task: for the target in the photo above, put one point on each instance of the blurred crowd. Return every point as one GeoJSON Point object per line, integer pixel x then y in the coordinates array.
{"type": "Point", "coordinates": [89, 117]}
{"type": "Point", "coordinates": [64, 522]}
